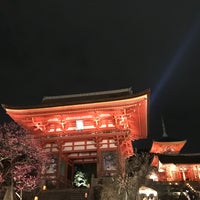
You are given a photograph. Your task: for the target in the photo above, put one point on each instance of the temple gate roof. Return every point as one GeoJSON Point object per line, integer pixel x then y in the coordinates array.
{"type": "Point", "coordinates": [116, 114]}
{"type": "Point", "coordinates": [88, 97]}
{"type": "Point", "coordinates": [106, 118]}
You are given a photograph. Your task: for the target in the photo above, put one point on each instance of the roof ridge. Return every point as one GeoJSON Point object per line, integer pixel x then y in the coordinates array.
{"type": "Point", "coordinates": [129, 90]}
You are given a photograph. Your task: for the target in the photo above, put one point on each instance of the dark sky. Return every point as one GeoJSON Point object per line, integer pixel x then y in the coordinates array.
{"type": "Point", "coordinates": [56, 47]}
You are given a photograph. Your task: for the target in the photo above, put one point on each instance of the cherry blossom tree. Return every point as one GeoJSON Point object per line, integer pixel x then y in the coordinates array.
{"type": "Point", "coordinates": [22, 160]}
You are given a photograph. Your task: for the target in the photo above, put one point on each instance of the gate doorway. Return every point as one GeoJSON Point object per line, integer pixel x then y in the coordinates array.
{"type": "Point", "coordinates": [83, 174]}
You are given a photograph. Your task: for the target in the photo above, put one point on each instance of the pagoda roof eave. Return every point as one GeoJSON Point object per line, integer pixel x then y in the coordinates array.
{"type": "Point", "coordinates": [169, 146]}
{"type": "Point", "coordinates": [120, 113]}
{"type": "Point", "coordinates": [169, 142]}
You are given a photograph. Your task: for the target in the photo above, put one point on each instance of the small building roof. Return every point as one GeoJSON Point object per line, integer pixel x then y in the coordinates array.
{"type": "Point", "coordinates": [180, 158]}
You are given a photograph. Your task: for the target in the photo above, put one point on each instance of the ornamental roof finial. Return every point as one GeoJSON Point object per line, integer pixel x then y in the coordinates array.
{"type": "Point", "coordinates": [163, 127]}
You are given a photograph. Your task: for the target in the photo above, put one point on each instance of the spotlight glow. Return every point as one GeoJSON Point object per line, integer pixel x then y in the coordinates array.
{"type": "Point", "coordinates": [177, 58]}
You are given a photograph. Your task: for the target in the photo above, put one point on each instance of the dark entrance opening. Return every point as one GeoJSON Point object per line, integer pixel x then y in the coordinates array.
{"type": "Point", "coordinates": [88, 169]}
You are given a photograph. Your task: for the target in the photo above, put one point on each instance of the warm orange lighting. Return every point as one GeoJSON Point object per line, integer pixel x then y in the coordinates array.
{"type": "Point", "coordinates": [44, 187]}
{"type": "Point", "coordinates": [119, 119]}
{"type": "Point", "coordinates": [36, 198]}
{"type": "Point", "coordinates": [167, 147]}
{"type": "Point", "coordinates": [65, 119]}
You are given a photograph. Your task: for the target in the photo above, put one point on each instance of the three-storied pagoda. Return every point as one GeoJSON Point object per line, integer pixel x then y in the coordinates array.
{"type": "Point", "coordinates": [172, 165]}
{"type": "Point", "coordinates": [86, 128]}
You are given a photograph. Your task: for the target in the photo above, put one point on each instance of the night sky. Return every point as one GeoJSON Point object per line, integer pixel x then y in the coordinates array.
{"type": "Point", "coordinates": [57, 47]}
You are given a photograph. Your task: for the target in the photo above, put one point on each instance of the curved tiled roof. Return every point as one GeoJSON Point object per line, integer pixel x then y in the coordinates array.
{"type": "Point", "coordinates": [82, 98]}
{"type": "Point", "coordinates": [180, 158]}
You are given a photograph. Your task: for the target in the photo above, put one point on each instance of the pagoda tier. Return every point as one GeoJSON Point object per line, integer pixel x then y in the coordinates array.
{"type": "Point", "coordinates": [168, 147]}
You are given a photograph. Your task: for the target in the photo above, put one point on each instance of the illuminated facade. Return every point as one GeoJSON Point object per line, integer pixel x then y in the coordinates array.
{"type": "Point", "coordinates": [86, 128]}
{"type": "Point", "coordinates": [172, 165]}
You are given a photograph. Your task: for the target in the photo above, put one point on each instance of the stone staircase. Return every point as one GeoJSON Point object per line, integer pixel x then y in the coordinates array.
{"type": "Point", "coordinates": [65, 194]}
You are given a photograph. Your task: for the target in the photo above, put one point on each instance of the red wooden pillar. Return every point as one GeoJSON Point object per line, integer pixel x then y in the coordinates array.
{"type": "Point", "coordinates": [99, 162]}
{"type": "Point", "coordinates": [59, 164]}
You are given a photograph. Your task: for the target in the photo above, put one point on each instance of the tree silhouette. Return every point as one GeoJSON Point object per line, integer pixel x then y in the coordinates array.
{"type": "Point", "coordinates": [125, 186]}
{"type": "Point", "coordinates": [22, 160]}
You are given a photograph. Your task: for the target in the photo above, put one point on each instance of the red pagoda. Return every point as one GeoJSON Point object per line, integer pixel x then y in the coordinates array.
{"type": "Point", "coordinates": [86, 128]}
{"type": "Point", "coordinates": [172, 165]}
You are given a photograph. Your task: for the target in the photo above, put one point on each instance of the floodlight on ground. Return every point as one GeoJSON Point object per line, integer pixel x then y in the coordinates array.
{"type": "Point", "coordinates": [147, 191]}
{"type": "Point", "coordinates": [36, 198]}
{"type": "Point", "coordinates": [44, 187]}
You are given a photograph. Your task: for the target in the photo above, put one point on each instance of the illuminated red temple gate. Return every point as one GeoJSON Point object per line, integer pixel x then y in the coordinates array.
{"type": "Point", "coordinates": [86, 128]}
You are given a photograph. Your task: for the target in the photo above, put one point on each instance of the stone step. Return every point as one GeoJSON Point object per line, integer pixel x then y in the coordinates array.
{"type": "Point", "coordinates": [65, 194]}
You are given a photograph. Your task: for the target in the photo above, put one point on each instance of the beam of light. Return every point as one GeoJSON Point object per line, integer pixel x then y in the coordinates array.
{"type": "Point", "coordinates": [178, 57]}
